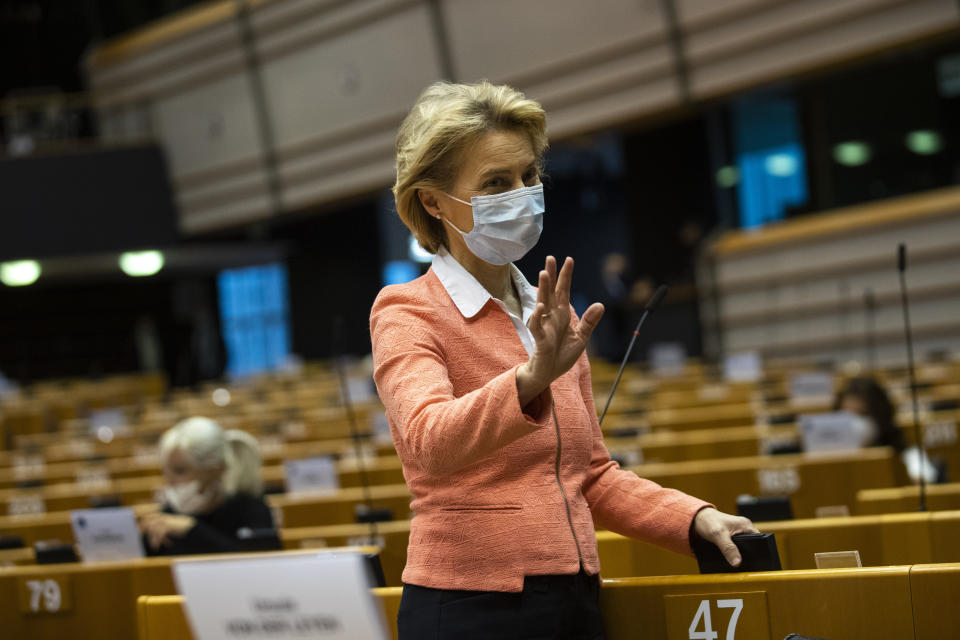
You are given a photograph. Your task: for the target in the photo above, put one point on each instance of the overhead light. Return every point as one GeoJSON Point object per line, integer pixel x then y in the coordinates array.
{"type": "Point", "coordinates": [780, 165]}
{"type": "Point", "coordinates": [727, 176]}
{"type": "Point", "coordinates": [19, 273]}
{"type": "Point", "coordinates": [924, 142]}
{"type": "Point", "coordinates": [418, 253]}
{"type": "Point", "coordinates": [141, 263]}
{"type": "Point", "coordinates": [221, 397]}
{"type": "Point", "coordinates": [852, 153]}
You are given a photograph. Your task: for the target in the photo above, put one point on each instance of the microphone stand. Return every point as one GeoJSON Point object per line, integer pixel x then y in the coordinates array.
{"type": "Point", "coordinates": [870, 306]}
{"type": "Point", "coordinates": [921, 451]}
{"type": "Point", "coordinates": [354, 432]}
{"type": "Point", "coordinates": [647, 310]}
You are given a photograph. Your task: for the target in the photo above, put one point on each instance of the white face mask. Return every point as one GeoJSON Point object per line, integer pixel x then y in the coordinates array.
{"type": "Point", "coordinates": [505, 225]}
{"type": "Point", "coordinates": [187, 498]}
{"type": "Point", "coordinates": [865, 429]}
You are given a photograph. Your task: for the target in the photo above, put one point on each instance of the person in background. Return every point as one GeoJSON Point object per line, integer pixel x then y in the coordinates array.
{"type": "Point", "coordinates": [213, 491]}
{"type": "Point", "coordinates": [867, 399]}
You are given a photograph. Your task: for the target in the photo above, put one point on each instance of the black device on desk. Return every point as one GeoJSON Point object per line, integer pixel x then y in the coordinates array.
{"type": "Point", "coordinates": [764, 509]}
{"type": "Point", "coordinates": [758, 552]}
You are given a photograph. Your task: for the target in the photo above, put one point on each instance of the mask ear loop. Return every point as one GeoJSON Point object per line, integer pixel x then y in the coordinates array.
{"type": "Point", "coordinates": [463, 233]}
{"type": "Point", "coordinates": [457, 199]}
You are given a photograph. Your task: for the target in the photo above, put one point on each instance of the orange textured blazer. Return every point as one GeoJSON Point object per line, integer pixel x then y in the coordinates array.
{"type": "Point", "coordinates": [499, 494]}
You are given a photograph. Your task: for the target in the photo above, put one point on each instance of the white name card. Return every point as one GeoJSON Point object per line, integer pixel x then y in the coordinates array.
{"type": "Point", "coordinates": [778, 482]}
{"type": "Point", "coordinates": [106, 534]}
{"type": "Point", "coordinates": [305, 596]}
{"type": "Point", "coordinates": [811, 388]}
{"type": "Point", "coordinates": [667, 358]}
{"type": "Point", "coordinates": [942, 433]}
{"type": "Point", "coordinates": [311, 474]}
{"type": "Point", "coordinates": [835, 431]}
{"type": "Point", "coordinates": [743, 367]}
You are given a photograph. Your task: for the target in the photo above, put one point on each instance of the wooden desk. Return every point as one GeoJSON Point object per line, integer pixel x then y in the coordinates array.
{"type": "Point", "coordinates": [291, 510]}
{"type": "Point", "coordinates": [391, 537]}
{"type": "Point", "coordinates": [934, 589]}
{"type": "Point", "coordinates": [17, 557]}
{"type": "Point", "coordinates": [809, 480]}
{"type": "Point", "coordinates": [163, 617]}
{"type": "Point", "coordinates": [688, 418]}
{"type": "Point", "coordinates": [909, 538]}
{"type": "Point", "coordinates": [382, 470]}
{"type": "Point", "coordinates": [700, 444]}
{"type": "Point", "coordinates": [305, 510]}
{"type": "Point", "coordinates": [97, 600]}
{"type": "Point", "coordinates": [839, 603]}
{"type": "Point", "coordinates": [49, 526]}
{"type": "Point", "coordinates": [940, 497]}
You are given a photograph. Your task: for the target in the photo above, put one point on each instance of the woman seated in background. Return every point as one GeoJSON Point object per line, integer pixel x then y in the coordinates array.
{"type": "Point", "coordinates": [866, 398]}
{"type": "Point", "coordinates": [213, 490]}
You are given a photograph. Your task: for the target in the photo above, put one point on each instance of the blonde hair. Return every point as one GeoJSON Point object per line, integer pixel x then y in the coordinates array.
{"type": "Point", "coordinates": [445, 120]}
{"type": "Point", "coordinates": [207, 445]}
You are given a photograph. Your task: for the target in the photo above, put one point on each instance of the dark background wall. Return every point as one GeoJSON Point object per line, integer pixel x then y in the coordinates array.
{"type": "Point", "coordinates": [81, 203]}
{"type": "Point", "coordinates": [334, 270]}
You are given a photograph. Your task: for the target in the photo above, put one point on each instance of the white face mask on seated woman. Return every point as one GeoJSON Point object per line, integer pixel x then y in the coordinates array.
{"type": "Point", "coordinates": [505, 225]}
{"type": "Point", "coordinates": [189, 498]}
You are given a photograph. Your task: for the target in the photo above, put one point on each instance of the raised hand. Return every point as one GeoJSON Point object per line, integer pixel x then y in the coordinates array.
{"type": "Point", "coordinates": [559, 341]}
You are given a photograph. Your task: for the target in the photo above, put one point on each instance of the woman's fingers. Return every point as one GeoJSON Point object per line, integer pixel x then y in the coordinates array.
{"type": "Point", "coordinates": [590, 320]}
{"type": "Point", "coordinates": [545, 291]}
{"type": "Point", "coordinates": [729, 550]}
{"type": "Point", "coordinates": [546, 285]}
{"type": "Point", "coordinates": [551, 266]}
{"type": "Point", "coordinates": [564, 281]}
{"type": "Point", "coordinates": [535, 324]}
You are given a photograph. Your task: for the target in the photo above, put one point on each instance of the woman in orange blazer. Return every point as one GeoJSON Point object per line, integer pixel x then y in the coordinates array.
{"type": "Point", "coordinates": [487, 390]}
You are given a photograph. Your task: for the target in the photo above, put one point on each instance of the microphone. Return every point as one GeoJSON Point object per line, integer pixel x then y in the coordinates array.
{"type": "Point", "coordinates": [352, 421]}
{"type": "Point", "coordinates": [870, 309]}
{"type": "Point", "coordinates": [902, 268]}
{"type": "Point", "coordinates": [647, 310]}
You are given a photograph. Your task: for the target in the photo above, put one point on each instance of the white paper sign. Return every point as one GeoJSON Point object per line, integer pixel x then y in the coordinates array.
{"type": "Point", "coordinates": [667, 358]}
{"type": "Point", "coordinates": [305, 596]}
{"type": "Point", "coordinates": [360, 389]}
{"type": "Point", "coordinates": [743, 367]}
{"type": "Point", "coordinates": [942, 433]}
{"type": "Point", "coordinates": [311, 474]}
{"type": "Point", "coordinates": [106, 534]}
{"type": "Point", "coordinates": [28, 504]}
{"type": "Point", "coordinates": [107, 418]}
{"type": "Point", "coordinates": [28, 466]}
{"type": "Point", "coordinates": [778, 482]}
{"type": "Point", "coordinates": [836, 431]}
{"type": "Point", "coordinates": [811, 388]}
{"type": "Point", "coordinates": [93, 478]}
{"type": "Point", "coordinates": [381, 427]}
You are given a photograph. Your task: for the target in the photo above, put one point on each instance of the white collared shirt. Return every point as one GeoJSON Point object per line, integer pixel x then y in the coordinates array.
{"type": "Point", "coordinates": [470, 296]}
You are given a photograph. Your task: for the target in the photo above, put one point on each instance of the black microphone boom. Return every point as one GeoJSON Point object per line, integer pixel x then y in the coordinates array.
{"type": "Point", "coordinates": [352, 420]}
{"type": "Point", "coordinates": [870, 306]}
{"type": "Point", "coordinates": [652, 304]}
{"type": "Point", "coordinates": [921, 450]}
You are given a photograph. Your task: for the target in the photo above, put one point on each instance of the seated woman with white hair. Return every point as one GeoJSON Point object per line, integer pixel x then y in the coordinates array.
{"type": "Point", "coordinates": [213, 491]}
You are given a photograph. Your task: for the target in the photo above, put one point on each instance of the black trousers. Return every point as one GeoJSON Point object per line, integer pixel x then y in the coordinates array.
{"type": "Point", "coordinates": [549, 608]}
